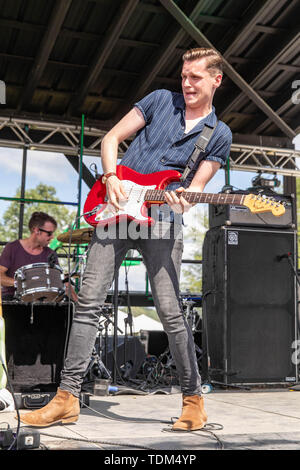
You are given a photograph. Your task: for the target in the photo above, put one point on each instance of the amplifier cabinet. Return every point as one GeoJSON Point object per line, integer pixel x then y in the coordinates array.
{"type": "Point", "coordinates": [250, 305]}
{"type": "Point", "coordinates": [227, 214]}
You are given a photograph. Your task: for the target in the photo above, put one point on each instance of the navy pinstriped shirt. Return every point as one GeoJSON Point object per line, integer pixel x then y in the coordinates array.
{"type": "Point", "coordinates": [163, 145]}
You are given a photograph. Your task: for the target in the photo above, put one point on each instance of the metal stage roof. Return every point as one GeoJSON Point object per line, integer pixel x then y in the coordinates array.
{"type": "Point", "coordinates": [60, 59]}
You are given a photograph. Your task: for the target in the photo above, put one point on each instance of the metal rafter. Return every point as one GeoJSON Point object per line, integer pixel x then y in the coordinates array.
{"type": "Point", "coordinates": [249, 24]}
{"type": "Point", "coordinates": [104, 51]}
{"type": "Point", "coordinates": [206, 19]}
{"type": "Point", "coordinates": [57, 18]}
{"type": "Point", "coordinates": [292, 42]}
{"type": "Point", "coordinates": [154, 66]}
{"type": "Point", "coordinates": [199, 37]}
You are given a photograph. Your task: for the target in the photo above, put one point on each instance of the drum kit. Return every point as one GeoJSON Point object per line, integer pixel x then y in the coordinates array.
{"type": "Point", "coordinates": [45, 282]}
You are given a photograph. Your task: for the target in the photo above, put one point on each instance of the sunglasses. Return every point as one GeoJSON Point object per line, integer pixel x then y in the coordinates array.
{"type": "Point", "coordinates": [49, 233]}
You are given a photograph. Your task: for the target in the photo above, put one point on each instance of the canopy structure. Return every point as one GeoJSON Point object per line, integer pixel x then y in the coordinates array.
{"type": "Point", "coordinates": [60, 59]}
{"type": "Point", "coordinates": [72, 68]}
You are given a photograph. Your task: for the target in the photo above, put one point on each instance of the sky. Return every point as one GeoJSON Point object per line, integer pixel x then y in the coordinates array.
{"type": "Point", "coordinates": [54, 169]}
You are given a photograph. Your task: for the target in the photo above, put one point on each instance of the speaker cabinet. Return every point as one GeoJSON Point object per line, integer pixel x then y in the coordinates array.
{"type": "Point", "coordinates": [35, 338]}
{"type": "Point", "coordinates": [250, 305]}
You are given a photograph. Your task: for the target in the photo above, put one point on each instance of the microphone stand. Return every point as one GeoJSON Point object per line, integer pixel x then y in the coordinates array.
{"type": "Point", "coordinates": [115, 339]}
{"type": "Point", "coordinates": [296, 386]}
{"type": "Point", "coordinates": [128, 320]}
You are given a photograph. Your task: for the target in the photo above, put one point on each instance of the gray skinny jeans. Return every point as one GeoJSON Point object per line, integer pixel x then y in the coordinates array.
{"type": "Point", "coordinates": [162, 257]}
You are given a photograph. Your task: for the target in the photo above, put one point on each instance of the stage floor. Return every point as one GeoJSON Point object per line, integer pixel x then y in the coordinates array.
{"type": "Point", "coordinates": [267, 419]}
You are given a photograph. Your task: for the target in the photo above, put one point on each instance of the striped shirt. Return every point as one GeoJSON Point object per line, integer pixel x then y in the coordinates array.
{"type": "Point", "coordinates": [162, 143]}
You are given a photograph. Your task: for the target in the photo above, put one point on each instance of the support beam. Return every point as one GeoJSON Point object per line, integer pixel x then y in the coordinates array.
{"type": "Point", "coordinates": [59, 13]}
{"type": "Point", "coordinates": [104, 51]}
{"type": "Point", "coordinates": [292, 43]}
{"type": "Point", "coordinates": [156, 63]}
{"type": "Point", "coordinates": [279, 110]}
{"type": "Point", "coordinates": [249, 24]}
{"type": "Point", "coordinates": [87, 176]}
{"type": "Point", "coordinates": [22, 193]}
{"type": "Point", "coordinates": [199, 37]}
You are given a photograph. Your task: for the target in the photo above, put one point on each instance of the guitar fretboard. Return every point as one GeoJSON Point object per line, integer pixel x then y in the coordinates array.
{"type": "Point", "coordinates": [157, 196]}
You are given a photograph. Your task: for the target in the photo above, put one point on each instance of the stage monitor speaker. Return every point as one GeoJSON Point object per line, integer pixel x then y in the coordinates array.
{"type": "Point", "coordinates": [35, 338]}
{"type": "Point", "coordinates": [250, 305]}
{"type": "Point", "coordinates": [155, 342]}
{"type": "Point", "coordinates": [130, 353]}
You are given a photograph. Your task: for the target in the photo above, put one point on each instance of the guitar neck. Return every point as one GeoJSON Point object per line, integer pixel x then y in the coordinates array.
{"type": "Point", "coordinates": [156, 196]}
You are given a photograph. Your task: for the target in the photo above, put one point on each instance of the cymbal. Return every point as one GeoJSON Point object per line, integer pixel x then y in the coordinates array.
{"type": "Point", "coordinates": [81, 235]}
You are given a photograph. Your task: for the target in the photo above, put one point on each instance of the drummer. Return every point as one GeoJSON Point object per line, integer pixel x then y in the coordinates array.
{"type": "Point", "coordinates": [33, 249]}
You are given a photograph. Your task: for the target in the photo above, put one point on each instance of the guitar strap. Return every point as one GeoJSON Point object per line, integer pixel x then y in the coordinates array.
{"type": "Point", "coordinates": [200, 147]}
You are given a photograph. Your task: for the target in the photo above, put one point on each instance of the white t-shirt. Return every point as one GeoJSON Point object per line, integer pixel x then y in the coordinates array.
{"type": "Point", "coordinates": [190, 123]}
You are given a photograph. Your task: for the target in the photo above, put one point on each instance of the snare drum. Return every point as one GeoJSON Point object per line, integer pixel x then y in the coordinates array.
{"type": "Point", "coordinates": [39, 282]}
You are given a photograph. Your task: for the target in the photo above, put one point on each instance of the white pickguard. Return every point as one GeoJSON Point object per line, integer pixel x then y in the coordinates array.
{"type": "Point", "coordinates": [131, 207]}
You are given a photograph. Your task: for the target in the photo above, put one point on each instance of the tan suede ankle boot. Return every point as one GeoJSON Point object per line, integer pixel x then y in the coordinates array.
{"type": "Point", "coordinates": [63, 408]}
{"type": "Point", "coordinates": [193, 416]}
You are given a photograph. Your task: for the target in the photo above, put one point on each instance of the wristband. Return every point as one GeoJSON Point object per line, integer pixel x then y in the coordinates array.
{"type": "Point", "coordinates": [106, 176]}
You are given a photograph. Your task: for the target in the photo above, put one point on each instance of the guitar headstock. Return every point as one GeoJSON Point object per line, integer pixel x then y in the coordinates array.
{"type": "Point", "coordinates": [259, 203]}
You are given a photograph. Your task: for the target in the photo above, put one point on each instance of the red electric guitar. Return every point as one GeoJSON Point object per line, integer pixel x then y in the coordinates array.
{"type": "Point", "coordinates": [144, 190]}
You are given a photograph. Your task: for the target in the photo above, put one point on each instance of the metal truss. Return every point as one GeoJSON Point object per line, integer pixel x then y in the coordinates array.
{"type": "Point", "coordinates": [264, 159]}
{"type": "Point", "coordinates": [49, 136]}
{"type": "Point", "coordinates": [65, 138]}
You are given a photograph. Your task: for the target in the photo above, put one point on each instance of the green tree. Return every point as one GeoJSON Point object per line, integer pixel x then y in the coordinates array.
{"type": "Point", "coordinates": [9, 227]}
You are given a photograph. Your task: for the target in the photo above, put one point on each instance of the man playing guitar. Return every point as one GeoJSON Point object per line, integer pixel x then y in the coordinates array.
{"type": "Point", "coordinates": [167, 126]}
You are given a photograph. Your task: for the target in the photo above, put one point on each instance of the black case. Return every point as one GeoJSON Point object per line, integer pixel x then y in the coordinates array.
{"type": "Point", "coordinates": [36, 400]}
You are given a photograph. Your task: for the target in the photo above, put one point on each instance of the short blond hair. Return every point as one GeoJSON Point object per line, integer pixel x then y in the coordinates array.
{"type": "Point", "coordinates": [214, 59]}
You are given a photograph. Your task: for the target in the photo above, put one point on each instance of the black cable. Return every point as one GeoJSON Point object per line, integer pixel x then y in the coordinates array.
{"type": "Point", "coordinates": [98, 441]}
{"type": "Point", "coordinates": [133, 420]}
{"type": "Point", "coordinates": [205, 429]}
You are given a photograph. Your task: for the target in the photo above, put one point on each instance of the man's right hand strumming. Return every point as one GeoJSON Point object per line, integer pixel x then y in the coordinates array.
{"type": "Point", "coordinates": [115, 192]}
